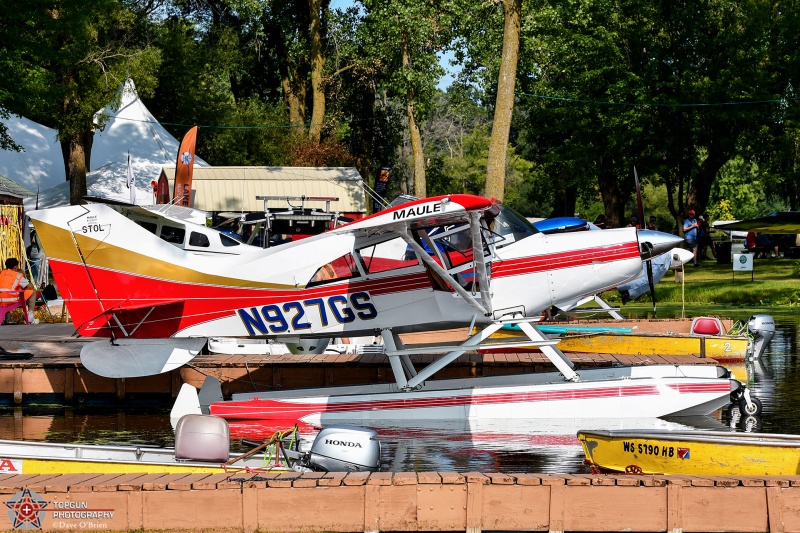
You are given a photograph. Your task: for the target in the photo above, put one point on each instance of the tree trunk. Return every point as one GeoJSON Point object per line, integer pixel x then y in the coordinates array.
{"type": "Point", "coordinates": [419, 159]}
{"type": "Point", "coordinates": [317, 66]}
{"type": "Point", "coordinates": [416, 138]}
{"type": "Point", "coordinates": [504, 105]}
{"type": "Point", "coordinates": [613, 198]}
{"type": "Point", "coordinates": [75, 149]}
{"type": "Point", "coordinates": [294, 97]}
{"type": "Point", "coordinates": [564, 202]}
{"type": "Point", "coordinates": [700, 189]}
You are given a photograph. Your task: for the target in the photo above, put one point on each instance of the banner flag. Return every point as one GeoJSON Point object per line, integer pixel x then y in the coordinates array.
{"type": "Point", "coordinates": [182, 191]}
{"type": "Point", "coordinates": [131, 180]}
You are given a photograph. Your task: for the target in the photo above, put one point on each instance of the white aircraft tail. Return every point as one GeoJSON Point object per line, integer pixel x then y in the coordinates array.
{"type": "Point", "coordinates": [187, 403]}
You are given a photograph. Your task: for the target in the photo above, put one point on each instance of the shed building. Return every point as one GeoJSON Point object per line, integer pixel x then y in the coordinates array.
{"type": "Point", "coordinates": [235, 189]}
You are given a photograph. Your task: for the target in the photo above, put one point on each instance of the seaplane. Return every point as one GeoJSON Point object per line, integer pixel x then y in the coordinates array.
{"type": "Point", "coordinates": [429, 264]}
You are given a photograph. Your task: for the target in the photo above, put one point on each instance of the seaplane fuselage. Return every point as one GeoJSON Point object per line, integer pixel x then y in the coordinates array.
{"type": "Point", "coordinates": [120, 280]}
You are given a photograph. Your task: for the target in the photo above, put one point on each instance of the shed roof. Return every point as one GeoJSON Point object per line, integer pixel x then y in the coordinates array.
{"type": "Point", "coordinates": [235, 188]}
{"type": "Point", "coordinates": [11, 188]}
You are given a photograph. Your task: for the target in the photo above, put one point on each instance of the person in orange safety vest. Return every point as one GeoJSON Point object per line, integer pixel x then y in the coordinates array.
{"type": "Point", "coordinates": [12, 279]}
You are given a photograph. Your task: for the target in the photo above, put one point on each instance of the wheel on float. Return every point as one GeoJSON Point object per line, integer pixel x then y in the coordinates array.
{"type": "Point", "coordinates": [754, 409]}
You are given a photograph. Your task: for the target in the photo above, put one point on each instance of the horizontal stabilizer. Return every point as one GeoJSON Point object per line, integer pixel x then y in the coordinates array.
{"type": "Point", "coordinates": [132, 358]}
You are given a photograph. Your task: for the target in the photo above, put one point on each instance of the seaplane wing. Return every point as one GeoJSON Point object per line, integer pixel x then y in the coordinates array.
{"type": "Point", "coordinates": [430, 264]}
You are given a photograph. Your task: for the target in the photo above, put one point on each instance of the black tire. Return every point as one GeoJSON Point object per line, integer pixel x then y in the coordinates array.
{"type": "Point", "coordinates": [754, 409]}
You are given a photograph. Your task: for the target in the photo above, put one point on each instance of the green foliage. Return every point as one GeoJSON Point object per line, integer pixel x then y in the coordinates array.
{"type": "Point", "coordinates": [256, 135]}
{"type": "Point", "coordinates": [740, 185]}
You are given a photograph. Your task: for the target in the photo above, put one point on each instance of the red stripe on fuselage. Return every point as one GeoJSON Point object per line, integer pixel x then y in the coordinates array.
{"type": "Point", "coordinates": [198, 303]}
{"type": "Point", "coordinates": [571, 258]}
{"type": "Point", "coordinates": [267, 409]}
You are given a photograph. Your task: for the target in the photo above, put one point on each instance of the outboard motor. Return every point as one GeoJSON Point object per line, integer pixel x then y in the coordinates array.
{"type": "Point", "coordinates": [308, 346]}
{"type": "Point", "coordinates": [762, 328]}
{"type": "Point", "coordinates": [343, 449]}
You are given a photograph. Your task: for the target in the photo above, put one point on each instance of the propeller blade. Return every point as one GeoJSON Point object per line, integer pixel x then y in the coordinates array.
{"type": "Point", "coordinates": [640, 207]}
{"type": "Point", "coordinates": [652, 287]}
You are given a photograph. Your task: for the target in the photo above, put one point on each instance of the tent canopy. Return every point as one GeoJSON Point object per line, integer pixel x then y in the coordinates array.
{"type": "Point", "coordinates": [778, 222]}
{"type": "Point", "coordinates": [128, 128]}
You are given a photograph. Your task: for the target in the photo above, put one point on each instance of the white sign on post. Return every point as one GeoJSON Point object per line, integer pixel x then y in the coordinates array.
{"type": "Point", "coordinates": [743, 262]}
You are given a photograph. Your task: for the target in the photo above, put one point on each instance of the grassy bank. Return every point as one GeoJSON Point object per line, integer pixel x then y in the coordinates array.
{"type": "Point", "coordinates": [775, 282]}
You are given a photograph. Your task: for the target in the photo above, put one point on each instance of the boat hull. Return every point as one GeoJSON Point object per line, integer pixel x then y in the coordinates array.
{"type": "Point", "coordinates": [722, 348]}
{"type": "Point", "coordinates": [32, 457]}
{"type": "Point", "coordinates": [624, 392]}
{"type": "Point", "coordinates": [702, 453]}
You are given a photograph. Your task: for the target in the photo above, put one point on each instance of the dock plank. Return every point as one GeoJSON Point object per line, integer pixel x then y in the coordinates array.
{"type": "Point", "coordinates": [63, 483]}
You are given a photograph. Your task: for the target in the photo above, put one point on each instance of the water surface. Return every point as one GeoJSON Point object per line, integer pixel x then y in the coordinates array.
{"type": "Point", "coordinates": [497, 446]}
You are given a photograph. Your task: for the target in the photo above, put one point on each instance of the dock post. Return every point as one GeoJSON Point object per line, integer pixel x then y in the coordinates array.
{"type": "Point", "coordinates": [120, 389]}
{"type": "Point", "coordinates": [17, 385]}
{"type": "Point", "coordinates": [69, 384]}
{"type": "Point", "coordinates": [474, 505]}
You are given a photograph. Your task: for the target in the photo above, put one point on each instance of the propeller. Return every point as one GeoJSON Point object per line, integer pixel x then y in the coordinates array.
{"type": "Point", "coordinates": [649, 266]}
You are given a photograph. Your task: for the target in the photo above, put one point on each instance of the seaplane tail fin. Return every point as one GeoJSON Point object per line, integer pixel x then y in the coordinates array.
{"type": "Point", "coordinates": [130, 358]}
{"type": "Point", "coordinates": [187, 403]}
{"type": "Point", "coordinates": [117, 278]}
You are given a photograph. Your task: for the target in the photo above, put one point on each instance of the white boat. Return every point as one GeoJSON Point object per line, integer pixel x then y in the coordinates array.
{"type": "Point", "coordinates": [202, 445]}
{"type": "Point", "coordinates": [658, 390]}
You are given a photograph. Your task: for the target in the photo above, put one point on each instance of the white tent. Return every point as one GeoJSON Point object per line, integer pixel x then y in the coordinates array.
{"type": "Point", "coordinates": [130, 127]}
{"type": "Point", "coordinates": [41, 165]}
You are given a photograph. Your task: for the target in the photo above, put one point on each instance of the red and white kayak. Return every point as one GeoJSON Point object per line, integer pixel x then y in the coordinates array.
{"type": "Point", "coordinates": [616, 392]}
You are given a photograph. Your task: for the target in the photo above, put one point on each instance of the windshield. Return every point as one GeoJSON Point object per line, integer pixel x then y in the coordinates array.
{"type": "Point", "coordinates": [511, 226]}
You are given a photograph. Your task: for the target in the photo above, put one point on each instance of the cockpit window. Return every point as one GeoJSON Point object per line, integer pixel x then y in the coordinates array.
{"type": "Point", "coordinates": [337, 270]}
{"type": "Point", "coordinates": [511, 226]}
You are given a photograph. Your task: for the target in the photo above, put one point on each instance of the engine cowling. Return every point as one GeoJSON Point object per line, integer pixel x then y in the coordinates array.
{"type": "Point", "coordinates": [345, 449]}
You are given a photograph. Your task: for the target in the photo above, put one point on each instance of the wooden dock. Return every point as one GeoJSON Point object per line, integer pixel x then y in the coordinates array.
{"type": "Point", "coordinates": [399, 501]}
{"type": "Point", "coordinates": [55, 373]}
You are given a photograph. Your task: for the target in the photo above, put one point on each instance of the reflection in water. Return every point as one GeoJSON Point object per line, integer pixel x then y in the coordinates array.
{"type": "Point", "coordinates": [496, 446]}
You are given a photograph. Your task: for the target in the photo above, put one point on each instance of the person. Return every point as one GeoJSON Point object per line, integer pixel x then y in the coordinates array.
{"type": "Point", "coordinates": [765, 241]}
{"type": "Point", "coordinates": [634, 223]}
{"type": "Point", "coordinates": [704, 242]}
{"type": "Point", "coordinates": [750, 240]}
{"type": "Point", "coordinates": [690, 234]}
{"type": "Point", "coordinates": [12, 279]}
{"type": "Point", "coordinates": [600, 221]}
{"type": "Point", "coordinates": [651, 224]}
{"type": "Point", "coordinates": [36, 258]}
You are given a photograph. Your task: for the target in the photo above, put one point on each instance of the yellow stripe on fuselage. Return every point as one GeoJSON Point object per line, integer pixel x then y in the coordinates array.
{"type": "Point", "coordinates": [58, 244]}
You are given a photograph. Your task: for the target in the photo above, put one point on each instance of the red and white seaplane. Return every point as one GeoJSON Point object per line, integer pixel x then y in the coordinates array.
{"type": "Point", "coordinates": [429, 264]}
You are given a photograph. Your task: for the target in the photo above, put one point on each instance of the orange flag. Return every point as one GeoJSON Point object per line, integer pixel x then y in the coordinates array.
{"type": "Point", "coordinates": [182, 193]}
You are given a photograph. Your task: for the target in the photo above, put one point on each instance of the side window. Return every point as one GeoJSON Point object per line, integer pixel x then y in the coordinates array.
{"type": "Point", "coordinates": [199, 240]}
{"type": "Point", "coordinates": [337, 270]}
{"type": "Point", "coordinates": [228, 241]}
{"type": "Point", "coordinates": [386, 256]}
{"type": "Point", "coordinates": [173, 234]}
{"type": "Point", "coordinates": [152, 227]}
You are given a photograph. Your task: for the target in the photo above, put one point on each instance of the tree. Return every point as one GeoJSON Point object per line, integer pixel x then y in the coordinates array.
{"type": "Point", "coordinates": [79, 53]}
{"type": "Point", "coordinates": [668, 87]}
{"type": "Point", "coordinates": [504, 104]}
{"type": "Point", "coordinates": [406, 35]}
